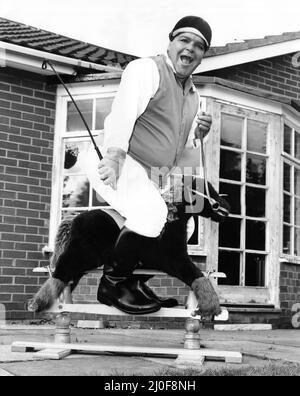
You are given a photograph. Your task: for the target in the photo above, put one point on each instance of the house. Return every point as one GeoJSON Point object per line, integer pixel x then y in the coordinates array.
{"type": "Point", "coordinates": [251, 88]}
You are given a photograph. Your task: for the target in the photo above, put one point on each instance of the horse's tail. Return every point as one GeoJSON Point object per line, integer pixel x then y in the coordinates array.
{"type": "Point", "coordinates": [46, 296]}
{"type": "Point", "coordinates": [53, 287]}
{"type": "Point", "coordinates": [62, 239]}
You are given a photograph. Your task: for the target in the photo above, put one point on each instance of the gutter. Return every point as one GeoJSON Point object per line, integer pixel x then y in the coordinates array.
{"type": "Point", "coordinates": [30, 59]}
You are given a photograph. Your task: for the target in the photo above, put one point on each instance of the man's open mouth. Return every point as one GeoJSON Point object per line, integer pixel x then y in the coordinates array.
{"type": "Point", "coordinates": [186, 60]}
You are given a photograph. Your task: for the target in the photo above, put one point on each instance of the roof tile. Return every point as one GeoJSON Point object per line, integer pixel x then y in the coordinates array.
{"type": "Point", "coordinates": [31, 37]}
{"type": "Point", "coordinates": [252, 43]}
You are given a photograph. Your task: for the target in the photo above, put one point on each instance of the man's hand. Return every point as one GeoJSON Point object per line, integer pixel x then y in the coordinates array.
{"type": "Point", "coordinates": [204, 122]}
{"type": "Point", "coordinates": [110, 167]}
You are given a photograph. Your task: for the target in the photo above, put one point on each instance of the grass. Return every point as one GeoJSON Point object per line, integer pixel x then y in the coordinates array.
{"type": "Point", "coordinates": [270, 369]}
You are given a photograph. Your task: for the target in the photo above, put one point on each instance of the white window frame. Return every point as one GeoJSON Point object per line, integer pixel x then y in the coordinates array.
{"type": "Point", "coordinates": [219, 94]}
{"type": "Point", "coordinates": [262, 117]}
{"type": "Point", "coordinates": [290, 120]}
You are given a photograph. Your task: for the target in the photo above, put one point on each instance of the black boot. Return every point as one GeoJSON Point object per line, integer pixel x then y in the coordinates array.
{"type": "Point", "coordinates": [114, 288]}
{"type": "Point", "coordinates": [138, 282]}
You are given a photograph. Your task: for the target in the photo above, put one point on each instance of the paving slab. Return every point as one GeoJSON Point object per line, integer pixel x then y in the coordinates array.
{"type": "Point", "coordinates": [4, 373]}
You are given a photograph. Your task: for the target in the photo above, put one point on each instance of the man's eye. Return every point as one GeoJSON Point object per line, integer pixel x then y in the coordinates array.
{"type": "Point", "coordinates": [200, 47]}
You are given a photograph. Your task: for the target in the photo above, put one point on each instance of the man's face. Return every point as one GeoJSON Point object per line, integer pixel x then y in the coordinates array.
{"type": "Point", "coordinates": [186, 52]}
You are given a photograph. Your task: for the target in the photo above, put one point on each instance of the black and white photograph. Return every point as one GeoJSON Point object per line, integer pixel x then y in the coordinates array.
{"type": "Point", "coordinates": [149, 191]}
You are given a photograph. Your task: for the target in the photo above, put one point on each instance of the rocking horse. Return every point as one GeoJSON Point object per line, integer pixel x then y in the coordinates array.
{"type": "Point", "coordinates": [85, 243]}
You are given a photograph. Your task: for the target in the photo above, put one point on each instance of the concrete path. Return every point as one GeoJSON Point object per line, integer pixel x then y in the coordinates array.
{"type": "Point", "coordinates": [258, 349]}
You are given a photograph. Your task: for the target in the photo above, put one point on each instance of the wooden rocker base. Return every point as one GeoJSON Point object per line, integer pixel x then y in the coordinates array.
{"type": "Point", "coordinates": [59, 351]}
{"type": "Point", "coordinates": [190, 355]}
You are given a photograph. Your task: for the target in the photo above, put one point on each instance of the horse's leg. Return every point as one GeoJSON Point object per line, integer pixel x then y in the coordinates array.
{"type": "Point", "coordinates": [171, 255]}
{"type": "Point", "coordinates": [174, 260]}
{"type": "Point", "coordinates": [55, 285]}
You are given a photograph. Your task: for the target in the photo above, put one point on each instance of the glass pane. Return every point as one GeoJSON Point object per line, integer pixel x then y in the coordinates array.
{"type": "Point", "coordinates": [287, 139]}
{"type": "Point", "coordinates": [297, 145]}
{"type": "Point", "coordinates": [229, 233]}
{"type": "Point", "coordinates": [98, 200]}
{"type": "Point", "coordinates": [255, 235]}
{"type": "Point", "coordinates": [297, 212]}
{"type": "Point", "coordinates": [230, 166]}
{"type": "Point", "coordinates": [256, 169]}
{"type": "Point", "coordinates": [287, 177]}
{"type": "Point", "coordinates": [287, 239]}
{"type": "Point", "coordinates": [257, 136]}
{"type": "Point", "coordinates": [231, 131]}
{"type": "Point", "coordinates": [74, 121]}
{"type": "Point", "coordinates": [287, 208]}
{"type": "Point", "coordinates": [103, 108]}
{"type": "Point", "coordinates": [229, 263]}
{"type": "Point", "coordinates": [233, 197]}
{"type": "Point", "coordinates": [255, 202]}
{"type": "Point", "coordinates": [297, 242]}
{"type": "Point", "coordinates": [297, 182]}
{"type": "Point", "coordinates": [75, 191]}
{"type": "Point", "coordinates": [75, 156]}
{"type": "Point", "coordinates": [255, 270]}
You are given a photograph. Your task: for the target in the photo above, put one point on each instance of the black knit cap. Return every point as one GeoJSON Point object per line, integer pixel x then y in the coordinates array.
{"type": "Point", "coordinates": [196, 23]}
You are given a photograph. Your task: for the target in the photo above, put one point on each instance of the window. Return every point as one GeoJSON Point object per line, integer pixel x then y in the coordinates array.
{"type": "Point", "coordinates": [291, 192]}
{"type": "Point", "coordinates": [74, 191]}
{"type": "Point", "coordinates": [244, 180]}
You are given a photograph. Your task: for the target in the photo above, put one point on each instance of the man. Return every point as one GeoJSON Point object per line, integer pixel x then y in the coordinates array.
{"type": "Point", "coordinates": [153, 124]}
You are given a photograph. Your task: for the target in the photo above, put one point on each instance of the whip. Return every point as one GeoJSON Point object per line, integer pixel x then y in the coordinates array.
{"type": "Point", "coordinates": [44, 67]}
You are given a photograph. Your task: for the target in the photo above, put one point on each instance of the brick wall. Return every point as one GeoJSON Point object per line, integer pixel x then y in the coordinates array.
{"type": "Point", "coordinates": [27, 110]}
{"type": "Point", "coordinates": [289, 290]}
{"type": "Point", "coordinates": [276, 75]}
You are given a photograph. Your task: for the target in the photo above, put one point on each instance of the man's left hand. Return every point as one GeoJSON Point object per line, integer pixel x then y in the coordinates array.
{"type": "Point", "coordinates": [204, 122]}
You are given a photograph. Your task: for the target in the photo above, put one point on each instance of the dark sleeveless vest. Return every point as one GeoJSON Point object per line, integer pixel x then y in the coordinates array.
{"type": "Point", "coordinates": [160, 133]}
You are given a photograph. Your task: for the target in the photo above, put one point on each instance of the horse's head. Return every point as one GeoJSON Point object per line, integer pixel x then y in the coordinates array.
{"type": "Point", "coordinates": [193, 199]}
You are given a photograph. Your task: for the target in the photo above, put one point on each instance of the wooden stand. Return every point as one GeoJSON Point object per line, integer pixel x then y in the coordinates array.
{"type": "Point", "coordinates": [191, 354]}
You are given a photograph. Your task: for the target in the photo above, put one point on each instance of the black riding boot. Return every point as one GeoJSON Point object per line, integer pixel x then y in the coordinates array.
{"type": "Point", "coordinates": [115, 289]}
{"type": "Point", "coordinates": [138, 282]}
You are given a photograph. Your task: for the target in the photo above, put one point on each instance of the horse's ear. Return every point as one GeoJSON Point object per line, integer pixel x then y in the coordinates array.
{"type": "Point", "coordinates": [220, 211]}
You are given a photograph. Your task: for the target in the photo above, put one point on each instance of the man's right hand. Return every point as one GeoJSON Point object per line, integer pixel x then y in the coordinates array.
{"type": "Point", "coordinates": [110, 167]}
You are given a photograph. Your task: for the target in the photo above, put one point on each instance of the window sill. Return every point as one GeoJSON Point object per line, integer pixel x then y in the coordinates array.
{"type": "Point", "coordinates": [194, 251]}
{"type": "Point", "coordinates": [289, 260]}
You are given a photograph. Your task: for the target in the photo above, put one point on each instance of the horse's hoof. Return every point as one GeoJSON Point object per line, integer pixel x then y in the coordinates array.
{"type": "Point", "coordinates": [32, 306]}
